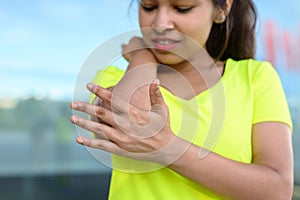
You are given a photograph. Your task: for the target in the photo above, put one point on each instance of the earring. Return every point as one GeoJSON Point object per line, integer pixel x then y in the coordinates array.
{"type": "Point", "coordinates": [220, 18]}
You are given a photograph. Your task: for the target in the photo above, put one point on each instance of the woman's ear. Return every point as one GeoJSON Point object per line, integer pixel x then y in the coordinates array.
{"type": "Point", "coordinates": [222, 12]}
{"type": "Point", "coordinates": [228, 6]}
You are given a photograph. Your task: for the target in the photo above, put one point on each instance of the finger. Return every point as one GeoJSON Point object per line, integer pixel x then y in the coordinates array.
{"type": "Point", "coordinates": [100, 112]}
{"type": "Point", "coordinates": [123, 46]}
{"type": "Point", "coordinates": [97, 101]}
{"type": "Point", "coordinates": [125, 53]}
{"type": "Point", "coordinates": [109, 146]}
{"type": "Point", "coordinates": [100, 92]}
{"type": "Point", "coordinates": [102, 130]}
{"type": "Point", "coordinates": [158, 104]}
{"type": "Point", "coordinates": [105, 145]}
{"type": "Point", "coordinates": [134, 44]}
{"type": "Point", "coordinates": [155, 94]}
{"type": "Point", "coordinates": [109, 97]}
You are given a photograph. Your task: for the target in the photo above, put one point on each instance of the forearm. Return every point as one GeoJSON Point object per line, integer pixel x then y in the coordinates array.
{"type": "Point", "coordinates": [140, 73]}
{"type": "Point", "coordinates": [231, 179]}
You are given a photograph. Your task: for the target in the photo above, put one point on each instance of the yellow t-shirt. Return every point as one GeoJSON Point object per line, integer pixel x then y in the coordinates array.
{"type": "Point", "coordinates": [219, 119]}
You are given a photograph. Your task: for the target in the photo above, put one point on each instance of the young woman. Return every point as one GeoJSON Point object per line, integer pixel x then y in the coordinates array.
{"type": "Point", "coordinates": [251, 155]}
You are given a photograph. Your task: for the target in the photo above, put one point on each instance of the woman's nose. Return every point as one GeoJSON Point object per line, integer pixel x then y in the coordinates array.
{"type": "Point", "coordinates": [163, 21]}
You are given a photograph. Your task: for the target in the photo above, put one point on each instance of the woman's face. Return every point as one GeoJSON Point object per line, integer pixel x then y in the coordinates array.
{"type": "Point", "coordinates": [175, 26]}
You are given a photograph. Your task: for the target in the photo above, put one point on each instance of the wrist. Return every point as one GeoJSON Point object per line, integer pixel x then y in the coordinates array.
{"type": "Point", "coordinates": [172, 152]}
{"type": "Point", "coordinates": [142, 57]}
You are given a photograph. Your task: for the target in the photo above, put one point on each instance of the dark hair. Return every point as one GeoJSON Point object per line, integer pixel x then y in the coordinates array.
{"type": "Point", "coordinates": [234, 38]}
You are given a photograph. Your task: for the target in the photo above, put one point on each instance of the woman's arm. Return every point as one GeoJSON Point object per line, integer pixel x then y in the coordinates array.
{"type": "Point", "coordinates": [269, 177]}
{"type": "Point", "coordinates": [140, 72]}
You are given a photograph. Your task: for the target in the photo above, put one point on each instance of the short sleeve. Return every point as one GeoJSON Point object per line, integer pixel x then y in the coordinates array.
{"type": "Point", "coordinates": [107, 77]}
{"type": "Point", "coordinates": [270, 102]}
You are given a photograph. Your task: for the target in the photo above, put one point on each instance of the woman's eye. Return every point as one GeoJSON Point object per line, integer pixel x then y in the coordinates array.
{"type": "Point", "coordinates": [183, 10]}
{"type": "Point", "coordinates": [148, 8]}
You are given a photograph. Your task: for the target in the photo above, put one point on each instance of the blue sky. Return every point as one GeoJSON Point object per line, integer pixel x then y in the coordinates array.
{"type": "Point", "coordinates": [43, 43]}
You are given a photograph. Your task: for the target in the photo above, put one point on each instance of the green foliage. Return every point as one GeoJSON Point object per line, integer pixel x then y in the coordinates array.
{"type": "Point", "coordinates": [33, 114]}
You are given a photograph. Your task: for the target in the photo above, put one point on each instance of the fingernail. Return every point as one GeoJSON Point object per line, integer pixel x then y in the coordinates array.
{"type": "Point", "coordinates": [90, 86]}
{"type": "Point", "coordinates": [74, 105]}
{"type": "Point", "coordinates": [79, 140]}
{"type": "Point", "coordinates": [156, 81]}
{"type": "Point", "coordinates": [74, 119]}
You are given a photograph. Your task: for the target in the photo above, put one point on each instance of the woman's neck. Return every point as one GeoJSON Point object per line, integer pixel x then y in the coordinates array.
{"type": "Point", "coordinates": [189, 79]}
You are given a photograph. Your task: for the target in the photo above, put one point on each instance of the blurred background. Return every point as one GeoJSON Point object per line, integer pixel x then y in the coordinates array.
{"type": "Point", "coordinates": [43, 44]}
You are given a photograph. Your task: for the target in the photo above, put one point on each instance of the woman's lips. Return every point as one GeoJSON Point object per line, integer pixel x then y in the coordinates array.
{"type": "Point", "coordinates": [164, 44]}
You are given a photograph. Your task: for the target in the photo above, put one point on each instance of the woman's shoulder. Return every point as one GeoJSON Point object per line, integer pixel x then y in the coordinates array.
{"type": "Point", "coordinates": [108, 76]}
{"type": "Point", "coordinates": [249, 63]}
{"type": "Point", "coordinates": [249, 67]}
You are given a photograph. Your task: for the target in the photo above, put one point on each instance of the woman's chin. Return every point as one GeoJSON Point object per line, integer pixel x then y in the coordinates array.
{"type": "Point", "coordinates": [167, 58]}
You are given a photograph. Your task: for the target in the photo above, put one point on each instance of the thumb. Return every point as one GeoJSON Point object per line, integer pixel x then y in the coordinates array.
{"type": "Point", "coordinates": [155, 94]}
{"type": "Point", "coordinates": [158, 105]}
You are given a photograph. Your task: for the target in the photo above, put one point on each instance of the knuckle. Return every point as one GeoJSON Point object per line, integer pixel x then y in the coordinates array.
{"type": "Point", "coordinates": [88, 143]}
{"type": "Point", "coordinates": [99, 130]}
{"type": "Point", "coordinates": [118, 151]}
{"type": "Point", "coordinates": [79, 121]}
{"type": "Point", "coordinates": [98, 101]}
{"type": "Point", "coordinates": [139, 118]}
{"type": "Point", "coordinates": [108, 95]}
{"type": "Point", "coordinates": [96, 89]}
{"type": "Point", "coordinates": [100, 146]}
{"type": "Point", "coordinates": [135, 38]}
{"type": "Point", "coordinates": [100, 112]}
{"type": "Point", "coordinates": [125, 139]}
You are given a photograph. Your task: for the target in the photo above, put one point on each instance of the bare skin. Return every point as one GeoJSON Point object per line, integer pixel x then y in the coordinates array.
{"type": "Point", "coordinates": [272, 159]}
{"type": "Point", "coordinates": [269, 176]}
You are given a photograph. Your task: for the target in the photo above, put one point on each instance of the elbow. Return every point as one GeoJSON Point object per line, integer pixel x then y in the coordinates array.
{"type": "Point", "coordinates": [278, 186]}
{"type": "Point", "coordinates": [283, 189]}
{"type": "Point", "coordinates": [287, 186]}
